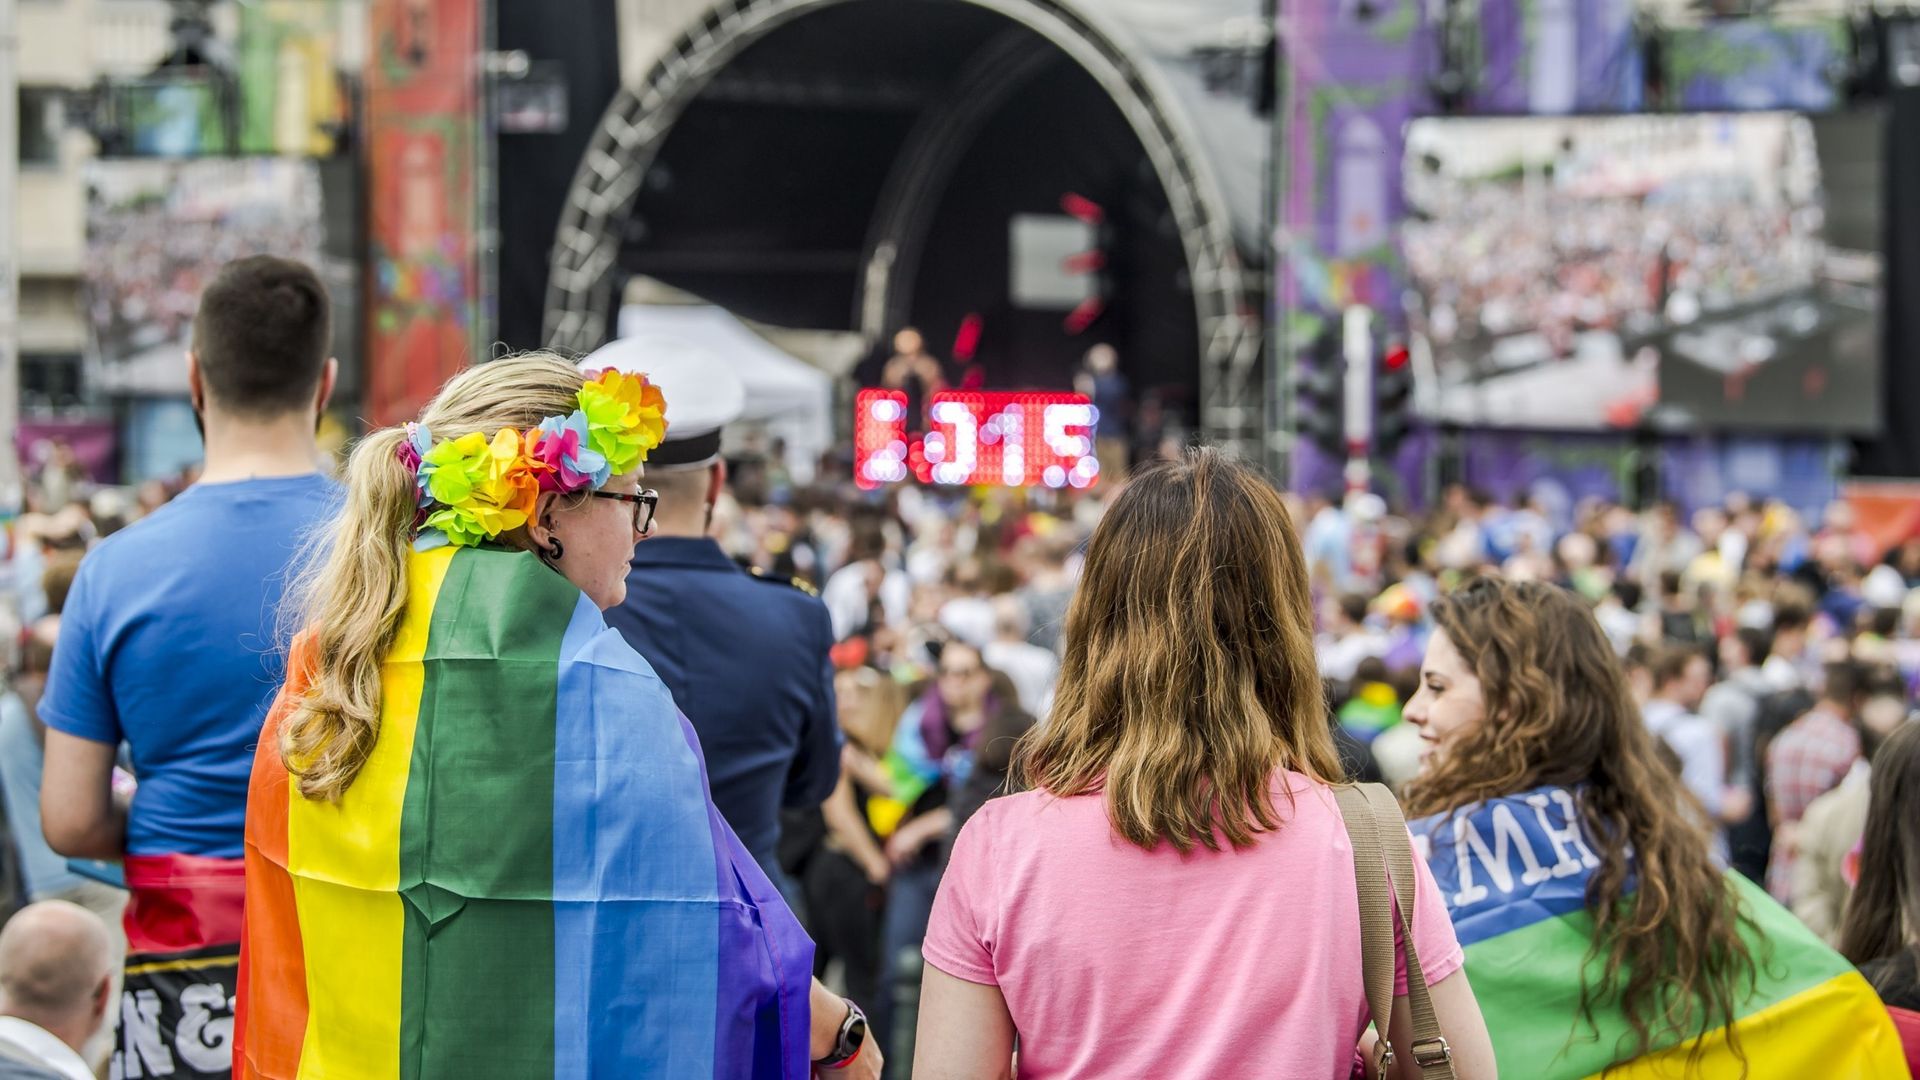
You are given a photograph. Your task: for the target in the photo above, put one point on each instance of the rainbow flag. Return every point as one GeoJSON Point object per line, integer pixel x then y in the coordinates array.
{"type": "Point", "coordinates": [527, 879]}
{"type": "Point", "coordinates": [1514, 874]}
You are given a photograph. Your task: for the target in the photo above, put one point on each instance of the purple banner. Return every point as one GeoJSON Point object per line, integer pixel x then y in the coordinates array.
{"type": "Point", "coordinates": [1552, 57]}
{"type": "Point", "coordinates": [1803, 473]}
{"type": "Point", "coordinates": [1559, 469]}
{"type": "Point", "coordinates": [1354, 74]}
{"type": "Point", "coordinates": [93, 442]}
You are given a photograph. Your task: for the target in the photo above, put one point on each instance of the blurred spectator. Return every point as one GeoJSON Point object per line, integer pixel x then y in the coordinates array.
{"type": "Point", "coordinates": [60, 476]}
{"type": "Point", "coordinates": [914, 370]}
{"type": "Point", "coordinates": [1829, 833]}
{"type": "Point", "coordinates": [1806, 761]}
{"type": "Point", "coordinates": [1881, 931]}
{"type": "Point", "coordinates": [1101, 380]}
{"type": "Point", "coordinates": [1681, 677]}
{"type": "Point", "coordinates": [1732, 706]}
{"type": "Point", "coordinates": [1347, 639]}
{"type": "Point", "coordinates": [1031, 668]}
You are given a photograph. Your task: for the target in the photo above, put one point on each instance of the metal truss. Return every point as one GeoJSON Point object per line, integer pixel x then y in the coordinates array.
{"type": "Point", "coordinates": [587, 245]}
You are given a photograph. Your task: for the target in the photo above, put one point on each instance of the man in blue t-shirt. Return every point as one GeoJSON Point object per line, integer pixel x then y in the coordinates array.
{"type": "Point", "coordinates": [171, 644]}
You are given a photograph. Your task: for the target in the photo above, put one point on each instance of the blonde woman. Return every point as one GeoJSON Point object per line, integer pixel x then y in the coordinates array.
{"type": "Point", "coordinates": [1176, 897]}
{"type": "Point", "coordinates": [479, 837]}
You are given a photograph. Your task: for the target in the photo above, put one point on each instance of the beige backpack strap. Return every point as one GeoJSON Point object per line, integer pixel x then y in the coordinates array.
{"type": "Point", "coordinates": [1376, 912]}
{"type": "Point", "coordinates": [1430, 1050]}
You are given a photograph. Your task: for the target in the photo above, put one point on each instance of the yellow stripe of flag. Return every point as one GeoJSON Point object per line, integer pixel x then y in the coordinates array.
{"type": "Point", "coordinates": [345, 862]}
{"type": "Point", "coordinates": [1780, 1041]}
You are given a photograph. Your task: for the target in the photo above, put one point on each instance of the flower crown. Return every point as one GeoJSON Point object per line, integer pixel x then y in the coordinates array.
{"type": "Point", "coordinates": [474, 488]}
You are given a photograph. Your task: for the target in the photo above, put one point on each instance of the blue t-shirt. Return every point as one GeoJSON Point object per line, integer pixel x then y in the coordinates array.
{"type": "Point", "coordinates": [171, 641]}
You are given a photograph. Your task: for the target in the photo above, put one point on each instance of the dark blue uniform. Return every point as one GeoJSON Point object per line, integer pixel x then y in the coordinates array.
{"type": "Point", "coordinates": [746, 660]}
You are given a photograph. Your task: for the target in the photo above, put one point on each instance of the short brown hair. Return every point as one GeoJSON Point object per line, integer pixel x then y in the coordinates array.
{"type": "Point", "coordinates": [1670, 665]}
{"type": "Point", "coordinates": [262, 334]}
{"type": "Point", "coordinates": [57, 579]}
{"type": "Point", "coordinates": [1189, 674]}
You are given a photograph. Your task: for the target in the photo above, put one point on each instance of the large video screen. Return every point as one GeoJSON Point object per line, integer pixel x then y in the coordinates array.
{"type": "Point", "coordinates": [158, 232]}
{"type": "Point", "coordinates": [1665, 272]}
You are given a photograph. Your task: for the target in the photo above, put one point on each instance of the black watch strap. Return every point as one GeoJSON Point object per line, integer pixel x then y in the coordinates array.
{"type": "Point", "coordinates": [853, 1035]}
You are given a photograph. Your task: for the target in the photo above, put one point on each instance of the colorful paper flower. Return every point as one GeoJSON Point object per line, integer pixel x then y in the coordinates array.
{"type": "Point", "coordinates": [560, 444]}
{"type": "Point", "coordinates": [626, 418]}
{"type": "Point", "coordinates": [474, 488]}
{"type": "Point", "coordinates": [484, 487]}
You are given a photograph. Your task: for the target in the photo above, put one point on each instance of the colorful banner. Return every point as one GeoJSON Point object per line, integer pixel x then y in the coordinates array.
{"type": "Point", "coordinates": [423, 144]}
{"type": "Point", "coordinates": [290, 99]}
{"type": "Point", "coordinates": [1514, 873]}
{"type": "Point", "coordinates": [1355, 77]}
{"type": "Point", "coordinates": [1755, 63]}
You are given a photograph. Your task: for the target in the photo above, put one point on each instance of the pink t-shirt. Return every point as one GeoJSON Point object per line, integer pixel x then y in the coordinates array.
{"type": "Point", "coordinates": [1117, 962]}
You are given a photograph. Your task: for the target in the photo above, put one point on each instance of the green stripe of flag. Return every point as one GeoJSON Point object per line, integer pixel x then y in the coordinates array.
{"type": "Point", "coordinates": [1533, 1007]}
{"type": "Point", "coordinates": [476, 837]}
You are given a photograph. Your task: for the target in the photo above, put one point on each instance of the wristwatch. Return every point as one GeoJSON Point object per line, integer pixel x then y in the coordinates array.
{"type": "Point", "coordinates": [846, 1047]}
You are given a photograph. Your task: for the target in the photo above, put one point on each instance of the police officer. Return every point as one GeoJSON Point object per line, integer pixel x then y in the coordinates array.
{"type": "Point", "coordinates": [744, 656]}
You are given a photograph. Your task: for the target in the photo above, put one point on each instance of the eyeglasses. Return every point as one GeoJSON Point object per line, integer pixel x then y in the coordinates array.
{"type": "Point", "coordinates": [644, 504]}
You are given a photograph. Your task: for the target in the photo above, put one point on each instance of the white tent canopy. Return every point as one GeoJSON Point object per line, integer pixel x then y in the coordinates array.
{"type": "Point", "coordinates": [787, 398]}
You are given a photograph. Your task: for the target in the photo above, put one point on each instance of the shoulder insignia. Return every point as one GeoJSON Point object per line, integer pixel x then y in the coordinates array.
{"type": "Point", "coordinates": [782, 579]}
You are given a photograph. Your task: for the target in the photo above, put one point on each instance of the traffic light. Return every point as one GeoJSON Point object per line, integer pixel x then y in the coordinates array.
{"type": "Point", "coordinates": [1393, 397]}
{"type": "Point", "coordinates": [1319, 383]}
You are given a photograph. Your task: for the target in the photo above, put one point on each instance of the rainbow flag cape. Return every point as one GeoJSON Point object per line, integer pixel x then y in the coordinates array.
{"type": "Point", "coordinates": [1514, 874]}
{"type": "Point", "coordinates": [527, 879]}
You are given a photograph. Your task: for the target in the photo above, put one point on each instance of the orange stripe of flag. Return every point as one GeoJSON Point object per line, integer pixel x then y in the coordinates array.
{"type": "Point", "coordinates": [273, 972]}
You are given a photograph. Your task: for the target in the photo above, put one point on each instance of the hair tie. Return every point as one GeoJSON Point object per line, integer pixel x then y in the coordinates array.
{"type": "Point", "coordinates": [407, 452]}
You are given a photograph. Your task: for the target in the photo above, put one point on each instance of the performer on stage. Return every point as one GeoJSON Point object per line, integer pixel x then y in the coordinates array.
{"type": "Point", "coordinates": [479, 836]}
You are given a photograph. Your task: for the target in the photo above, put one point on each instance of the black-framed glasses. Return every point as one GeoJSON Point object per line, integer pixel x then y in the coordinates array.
{"type": "Point", "coordinates": [645, 502]}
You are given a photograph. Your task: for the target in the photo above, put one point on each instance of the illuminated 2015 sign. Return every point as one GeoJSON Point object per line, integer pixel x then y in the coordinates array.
{"type": "Point", "coordinates": [975, 437]}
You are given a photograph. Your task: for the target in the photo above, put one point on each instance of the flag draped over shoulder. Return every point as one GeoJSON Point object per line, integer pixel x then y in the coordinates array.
{"type": "Point", "coordinates": [528, 878]}
{"type": "Point", "coordinates": [1514, 873]}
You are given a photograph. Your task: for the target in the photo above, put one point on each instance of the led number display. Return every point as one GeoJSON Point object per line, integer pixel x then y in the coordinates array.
{"type": "Point", "coordinates": [1010, 439]}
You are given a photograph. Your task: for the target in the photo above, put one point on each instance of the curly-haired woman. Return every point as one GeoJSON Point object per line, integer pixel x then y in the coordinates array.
{"type": "Point", "coordinates": [1598, 930]}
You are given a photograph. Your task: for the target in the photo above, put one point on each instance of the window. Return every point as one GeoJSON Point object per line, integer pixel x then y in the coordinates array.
{"type": "Point", "coordinates": [50, 380]}
{"type": "Point", "coordinates": [43, 116]}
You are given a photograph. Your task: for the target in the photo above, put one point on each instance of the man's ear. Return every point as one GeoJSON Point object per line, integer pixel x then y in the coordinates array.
{"type": "Point", "coordinates": [196, 390]}
{"type": "Point", "coordinates": [329, 376]}
{"type": "Point", "coordinates": [716, 481]}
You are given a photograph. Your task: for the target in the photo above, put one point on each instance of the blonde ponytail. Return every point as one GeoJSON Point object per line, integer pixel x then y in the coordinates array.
{"type": "Point", "coordinates": [353, 595]}
{"type": "Point", "coordinates": [354, 603]}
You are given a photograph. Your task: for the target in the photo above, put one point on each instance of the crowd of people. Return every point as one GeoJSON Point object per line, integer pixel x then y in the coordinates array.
{"type": "Point", "coordinates": [1618, 239]}
{"type": "Point", "coordinates": [545, 736]}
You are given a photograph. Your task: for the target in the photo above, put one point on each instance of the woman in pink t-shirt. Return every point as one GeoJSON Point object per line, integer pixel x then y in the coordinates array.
{"type": "Point", "coordinates": [1176, 897]}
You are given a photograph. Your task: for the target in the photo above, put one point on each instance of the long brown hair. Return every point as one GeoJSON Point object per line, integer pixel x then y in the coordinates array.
{"type": "Point", "coordinates": [1189, 674]}
{"type": "Point", "coordinates": [1883, 917]}
{"type": "Point", "coordinates": [1559, 712]}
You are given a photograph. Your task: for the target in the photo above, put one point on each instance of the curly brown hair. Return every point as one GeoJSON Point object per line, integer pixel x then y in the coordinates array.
{"type": "Point", "coordinates": [1558, 712]}
{"type": "Point", "coordinates": [1189, 674]}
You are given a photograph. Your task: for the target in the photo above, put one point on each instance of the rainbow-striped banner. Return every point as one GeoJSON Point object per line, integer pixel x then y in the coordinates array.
{"type": "Point", "coordinates": [1514, 874]}
{"type": "Point", "coordinates": [527, 879]}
